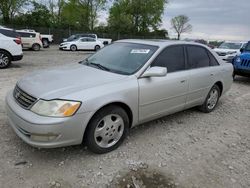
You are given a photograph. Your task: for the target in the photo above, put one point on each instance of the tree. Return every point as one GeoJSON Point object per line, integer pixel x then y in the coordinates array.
{"type": "Point", "coordinates": [8, 8]}
{"type": "Point", "coordinates": [82, 13]}
{"type": "Point", "coordinates": [136, 16]}
{"type": "Point", "coordinates": [180, 25]}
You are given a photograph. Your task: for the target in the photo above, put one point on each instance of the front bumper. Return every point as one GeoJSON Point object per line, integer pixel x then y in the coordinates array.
{"type": "Point", "coordinates": [45, 132]}
{"type": "Point", "coordinates": [64, 48]}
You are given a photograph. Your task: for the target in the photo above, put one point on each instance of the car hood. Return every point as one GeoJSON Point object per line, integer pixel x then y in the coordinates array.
{"type": "Point", "coordinates": [221, 50]}
{"type": "Point", "coordinates": [57, 83]}
{"type": "Point", "coordinates": [245, 55]}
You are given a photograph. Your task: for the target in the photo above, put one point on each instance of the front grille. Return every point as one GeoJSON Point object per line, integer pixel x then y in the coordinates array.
{"type": "Point", "coordinates": [245, 63]}
{"type": "Point", "coordinates": [23, 99]}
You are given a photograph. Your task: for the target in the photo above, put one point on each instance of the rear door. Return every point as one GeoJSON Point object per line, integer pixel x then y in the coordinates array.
{"type": "Point", "coordinates": [203, 70]}
{"type": "Point", "coordinates": [160, 96]}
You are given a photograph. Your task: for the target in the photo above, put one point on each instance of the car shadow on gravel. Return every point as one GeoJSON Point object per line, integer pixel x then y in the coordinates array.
{"type": "Point", "coordinates": [242, 80]}
{"type": "Point", "coordinates": [143, 178]}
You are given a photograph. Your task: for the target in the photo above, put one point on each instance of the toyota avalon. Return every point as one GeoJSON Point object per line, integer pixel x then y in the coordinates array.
{"type": "Point", "coordinates": [127, 83]}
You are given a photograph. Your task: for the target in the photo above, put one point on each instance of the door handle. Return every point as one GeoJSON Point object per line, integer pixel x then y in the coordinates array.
{"type": "Point", "coordinates": [211, 74]}
{"type": "Point", "coordinates": [182, 81]}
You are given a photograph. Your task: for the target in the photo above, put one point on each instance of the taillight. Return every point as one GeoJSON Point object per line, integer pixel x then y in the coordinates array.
{"type": "Point", "coordinates": [18, 41]}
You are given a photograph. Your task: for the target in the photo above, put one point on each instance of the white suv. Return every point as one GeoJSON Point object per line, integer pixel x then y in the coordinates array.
{"type": "Point", "coordinates": [30, 39]}
{"type": "Point", "coordinates": [10, 48]}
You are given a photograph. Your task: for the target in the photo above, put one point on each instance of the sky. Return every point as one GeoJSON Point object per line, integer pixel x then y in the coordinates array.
{"type": "Point", "coordinates": [211, 19]}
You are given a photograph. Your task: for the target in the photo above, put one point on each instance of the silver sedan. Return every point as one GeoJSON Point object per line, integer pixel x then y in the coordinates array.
{"type": "Point", "coordinates": [125, 84]}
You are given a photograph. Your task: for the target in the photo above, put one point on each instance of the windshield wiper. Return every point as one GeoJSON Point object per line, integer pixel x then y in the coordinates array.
{"type": "Point", "coordinates": [97, 65]}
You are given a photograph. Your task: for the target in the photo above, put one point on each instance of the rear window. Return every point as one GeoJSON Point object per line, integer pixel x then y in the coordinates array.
{"type": "Point", "coordinates": [9, 33]}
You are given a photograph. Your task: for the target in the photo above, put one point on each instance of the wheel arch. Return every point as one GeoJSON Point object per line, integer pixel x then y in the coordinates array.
{"type": "Point", "coordinates": [7, 53]}
{"type": "Point", "coordinates": [115, 103]}
{"type": "Point", "coordinates": [220, 85]}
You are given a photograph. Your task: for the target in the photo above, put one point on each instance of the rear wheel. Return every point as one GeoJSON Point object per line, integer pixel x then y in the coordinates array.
{"type": "Point", "coordinates": [73, 48]}
{"type": "Point", "coordinates": [5, 59]}
{"type": "Point", "coordinates": [36, 47]}
{"type": "Point", "coordinates": [45, 43]}
{"type": "Point", "coordinates": [107, 129]}
{"type": "Point", "coordinates": [211, 100]}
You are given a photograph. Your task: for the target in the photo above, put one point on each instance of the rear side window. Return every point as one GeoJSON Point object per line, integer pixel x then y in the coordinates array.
{"type": "Point", "coordinates": [213, 61]}
{"type": "Point", "coordinates": [197, 57]}
{"type": "Point", "coordinates": [172, 58]}
{"type": "Point", "coordinates": [27, 35]}
{"type": "Point", "coordinates": [9, 33]}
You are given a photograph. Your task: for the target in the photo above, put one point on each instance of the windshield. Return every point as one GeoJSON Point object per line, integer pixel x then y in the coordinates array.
{"type": "Point", "coordinates": [72, 38]}
{"type": "Point", "coordinates": [230, 45]}
{"type": "Point", "coordinates": [122, 58]}
{"type": "Point", "coordinates": [247, 48]}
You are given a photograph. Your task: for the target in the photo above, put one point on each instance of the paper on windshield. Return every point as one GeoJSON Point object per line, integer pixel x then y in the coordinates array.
{"type": "Point", "coordinates": [140, 51]}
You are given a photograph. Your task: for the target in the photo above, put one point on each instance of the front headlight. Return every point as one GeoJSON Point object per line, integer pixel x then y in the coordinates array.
{"type": "Point", "coordinates": [238, 60]}
{"type": "Point", "coordinates": [56, 108]}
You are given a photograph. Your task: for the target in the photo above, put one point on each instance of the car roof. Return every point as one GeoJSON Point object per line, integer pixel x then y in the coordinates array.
{"type": "Point", "coordinates": [159, 42]}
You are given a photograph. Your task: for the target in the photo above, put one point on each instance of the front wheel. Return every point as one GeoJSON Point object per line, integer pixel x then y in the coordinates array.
{"type": "Point", "coordinates": [97, 47]}
{"type": "Point", "coordinates": [107, 129]}
{"type": "Point", "coordinates": [73, 48]}
{"type": "Point", "coordinates": [211, 100]}
{"type": "Point", "coordinates": [5, 59]}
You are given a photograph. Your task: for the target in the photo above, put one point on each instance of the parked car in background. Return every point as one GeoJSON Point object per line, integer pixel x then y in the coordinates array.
{"type": "Point", "coordinates": [228, 50]}
{"type": "Point", "coordinates": [46, 38]}
{"type": "Point", "coordinates": [10, 49]}
{"type": "Point", "coordinates": [84, 43]}
{"type": "Point", "coordinates": [94, 36]}
{"type": "Point", "coordinates": [124, 84]}
{"type": "Point", "coordinates": [30, 39]}
{"type": "Point", "coordinates": [242, 62]}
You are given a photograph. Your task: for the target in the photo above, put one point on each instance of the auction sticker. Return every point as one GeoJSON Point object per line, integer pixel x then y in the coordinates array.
{"type": "Point", "coordinates": [140, 51]}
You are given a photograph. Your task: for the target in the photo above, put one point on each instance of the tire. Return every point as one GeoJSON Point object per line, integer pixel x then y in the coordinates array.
{"type": "Point", "coordinates": [5, 59]}
{"type": "Point", "coordinates": [97, 47]}
{"type": "Point", "coordinates": [73, 48]}
{"type": "Point", "coordinates": [45, 43]}
{"type": "Point", "coordinates": [36, 47]}
{"type": "Point", "coordinates": [211, 100]}
{"type": "Point", "coordinates": [107, 129]}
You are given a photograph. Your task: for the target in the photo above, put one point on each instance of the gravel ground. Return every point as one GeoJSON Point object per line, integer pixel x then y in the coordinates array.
{"type": "Point", "coordinates": [187, 149]}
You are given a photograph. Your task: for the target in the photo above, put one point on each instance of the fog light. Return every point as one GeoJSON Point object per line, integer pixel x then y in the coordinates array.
{"type": "Point", "coordinates": [43, 138]}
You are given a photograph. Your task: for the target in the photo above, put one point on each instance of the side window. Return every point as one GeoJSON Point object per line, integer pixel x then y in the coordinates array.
{"type": "Point", "coordinates": [197, 57]}
{"type": "Point", "coordinates": [172, 57]}
{"type": "Point", "coordinates": [84, 40]}
{"type": "Point", "coordinates": [91, 40]}
{"type": "Point", "coordinates": [213, 61]}
{"type": "Point", "coordinates": [247, 48]}
{"type": "Point", "coordinates": [9, 33]}
{"type": "Point", "coordinates": [27, 35]}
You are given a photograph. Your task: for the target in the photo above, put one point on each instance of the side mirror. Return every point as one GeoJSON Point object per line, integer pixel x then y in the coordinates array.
{"type": "Point", "coordinates": [155, 72]}
{"type": "Point", "coordinates": [242, 50]}
{"type": "Point", "coordinates": [64, 40]}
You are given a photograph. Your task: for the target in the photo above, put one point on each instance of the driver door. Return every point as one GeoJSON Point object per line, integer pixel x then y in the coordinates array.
{"type": "Point", "coordinates": [159, 96]}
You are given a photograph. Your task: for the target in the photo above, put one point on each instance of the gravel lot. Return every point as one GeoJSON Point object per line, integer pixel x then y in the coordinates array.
{"type": "Point", "coordinates": [187, 149]}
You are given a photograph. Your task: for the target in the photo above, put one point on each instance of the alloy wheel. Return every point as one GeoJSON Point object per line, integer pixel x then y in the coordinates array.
{"type": "Point", "coordinates": [109, 131]}
{"type": "Point", "coordinates": [4, 60]}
